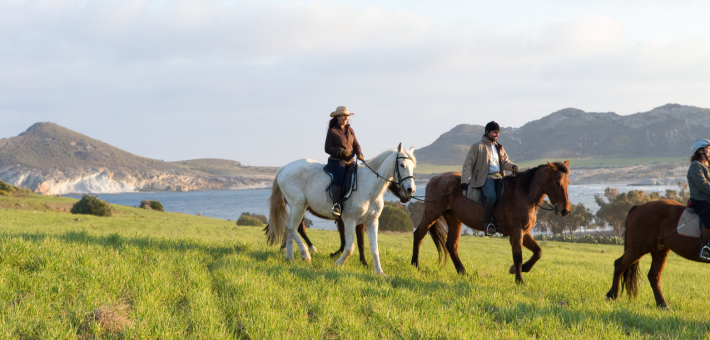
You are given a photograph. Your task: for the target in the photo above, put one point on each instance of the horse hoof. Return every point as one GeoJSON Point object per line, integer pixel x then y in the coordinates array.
{"type": "Point", "coordinates": [512, 269]}
{"type": "Point", "coordinates": [314, 250]}
{"type": "Point", "coordinates": [380, 274]}
{"type": "Point", "coordinates": [663, 306]}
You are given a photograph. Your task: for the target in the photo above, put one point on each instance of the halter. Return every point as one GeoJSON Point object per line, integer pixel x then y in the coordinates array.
{"type": "Point", "coordinates": [397, 174]}
{"type": "Point", "coordinates": [553, 208]}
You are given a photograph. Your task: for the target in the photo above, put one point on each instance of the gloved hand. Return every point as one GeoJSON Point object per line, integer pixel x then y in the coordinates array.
{"type": "Point", "coordinates": [345, 153]}
{"type": "Point", "coordinates": [360, 157]}
{"type": "Point", "coordinates": [515, 169]}
{"type": "Point", "coordinates": [464, 186]}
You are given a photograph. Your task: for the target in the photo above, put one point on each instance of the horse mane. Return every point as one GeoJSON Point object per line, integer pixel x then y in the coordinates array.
{"type": "Point", "coordinates": [377, 161]}
{"type": "Point", "coordinates": [524, 178]}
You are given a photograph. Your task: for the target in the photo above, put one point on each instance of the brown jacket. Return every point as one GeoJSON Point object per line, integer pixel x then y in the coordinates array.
{"type": "Point", "coordinates": [338, 140]}
{"type": "Point", "coordinates": [475, 167]}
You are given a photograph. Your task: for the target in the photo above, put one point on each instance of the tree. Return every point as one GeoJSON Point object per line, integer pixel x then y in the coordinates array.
{"type": "Point", "coordinates": [579, 217]}
{"type": "Point", "coordinates": [416, 211]}
{"type": "Point", "coordinates": [613, 213]}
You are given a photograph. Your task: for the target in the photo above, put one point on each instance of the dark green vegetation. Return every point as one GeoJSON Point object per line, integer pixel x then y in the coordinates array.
{"type": "Point", "coordinates": [664, 132]}
{"type": "Point", "coordinates": [91, 205]}
{"type": "Point", "coordinates": [249, 220]}
{"type": "Point", "coordinates": [11, 190]}
{"type": "Point", "coordinates": [223, 167]}
{"type": "Point", "coordinates": [142, 274]}
{"type": "Point", "coordinates": [152, 204]}
{"type": "Point", "coordinates": [395, 217]}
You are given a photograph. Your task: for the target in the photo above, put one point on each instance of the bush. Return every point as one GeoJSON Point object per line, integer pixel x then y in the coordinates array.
{"type": "Point", "coordinates": [151, 205]}
{"type": "Point", "coordinates": [395, 219]}
{"type": "Point", "coordinates": [4, 193]}
{"type": "Point", "coordinates": [6, 187]}
{"type": "Point", "coordinates": [307, 221]}
{"type": "Point", "coordinates": [259, 217]}
{"type": "Point", "coordinates": [91, 205]}
{"type": "Point", "coordinates": [249, 221]}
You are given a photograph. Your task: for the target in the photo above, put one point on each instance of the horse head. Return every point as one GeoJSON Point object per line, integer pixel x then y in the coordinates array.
{"type": "Point", "coordinates": [556, 189]}
{"type": "Point", "coordinates": [404, 172]}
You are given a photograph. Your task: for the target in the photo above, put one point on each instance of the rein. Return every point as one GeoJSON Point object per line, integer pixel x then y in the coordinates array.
{"type": "Point", "coordinates": [552, 208]}
{"type": "Point", "coordinates": [396, 171]}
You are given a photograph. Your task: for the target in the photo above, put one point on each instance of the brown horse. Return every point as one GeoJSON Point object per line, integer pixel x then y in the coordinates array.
{"type": "Point", "coordinates": [514, 215]}
{"type": "Point", "coordinates": [359, 229]}
{"type": "Point", "coordinates": [651, 228]}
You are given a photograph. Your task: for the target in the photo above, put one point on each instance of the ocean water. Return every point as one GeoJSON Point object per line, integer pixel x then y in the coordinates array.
{"type": "Point", "coordinates": [230, 204]}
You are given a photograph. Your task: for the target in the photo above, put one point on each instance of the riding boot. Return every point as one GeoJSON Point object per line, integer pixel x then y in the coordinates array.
{"type": "Point", "coordinates": [705, 247]}
{"type": "Point", "coordinates": [488, 226]}
{"type": "Point", "coordinates": [337, 197]}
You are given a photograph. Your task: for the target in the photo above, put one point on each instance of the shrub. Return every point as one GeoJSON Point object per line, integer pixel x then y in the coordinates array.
{"type": "Point", "coordinates": [249, 221]}
{"type": "Point", "coordinates": [4, 193]}
{"type": "Point", "coordinates": [259, 217]}
{"type": "Point", "coordinates": [395, 219]}
{"type": "Point", "coordinates": [152, 205]}
{"type": "Point", "coordinates": [307, 221]}
{"type": "Point", "coordinates": [91, 205]}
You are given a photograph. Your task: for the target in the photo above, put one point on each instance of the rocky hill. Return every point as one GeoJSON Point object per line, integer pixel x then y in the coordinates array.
{"type": "Point", "coordinates": [51, 159]}
{"type": "Point", "coordinates": [666, 131]}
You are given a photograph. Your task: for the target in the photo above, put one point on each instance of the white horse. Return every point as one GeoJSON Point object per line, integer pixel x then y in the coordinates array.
{"type": "Point", "coordinates": [302, 183]}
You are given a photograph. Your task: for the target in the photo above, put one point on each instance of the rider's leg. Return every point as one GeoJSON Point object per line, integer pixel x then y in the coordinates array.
{"type": "Point", "coordinates": [703, 209]}
{"type": "Point", "coordinates": [338, 168]}
{"type": "Point", "coordinates": [489, 194]}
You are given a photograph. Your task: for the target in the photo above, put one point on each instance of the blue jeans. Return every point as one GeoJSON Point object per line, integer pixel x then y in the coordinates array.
{"type": "Point", "coordinates": [491, 190]}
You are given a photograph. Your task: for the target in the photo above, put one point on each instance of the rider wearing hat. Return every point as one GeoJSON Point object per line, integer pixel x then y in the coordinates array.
{"type": "Point", "coordinates": [484, 168]}
{"type": "Point", "coordinates": [699, 187]}
{"type": "Point", "coordinates": [342, 146]}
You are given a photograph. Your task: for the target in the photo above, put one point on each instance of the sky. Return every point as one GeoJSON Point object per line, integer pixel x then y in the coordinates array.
{"type": "Point", "coordinates": [255, 81]}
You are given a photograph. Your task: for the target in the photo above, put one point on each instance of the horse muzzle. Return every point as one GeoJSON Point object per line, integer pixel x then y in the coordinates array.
{"type": "Point", "coordinates": [564, 212]}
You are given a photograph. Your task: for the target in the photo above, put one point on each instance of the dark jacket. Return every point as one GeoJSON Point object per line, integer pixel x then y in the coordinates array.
{"type": "Point", "coordinates": [337, 140]}
{"type": "Point", "coordinates": [699, 181]}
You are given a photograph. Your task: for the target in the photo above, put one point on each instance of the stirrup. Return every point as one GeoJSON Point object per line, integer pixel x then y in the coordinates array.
{"type": "Point", "coordinates": [490, 229]}
{"type": "Point", "coordinates": [705, 250]}
{"type": "Point", "coordinates": [335, 210]}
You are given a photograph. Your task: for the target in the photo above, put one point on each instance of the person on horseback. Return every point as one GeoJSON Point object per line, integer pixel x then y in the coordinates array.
{"type": "Point", "coordinates": [699, 187]}
{"type": "Point", "coordinates": [484, 168]}
{"type": "Point", "coordinates": [342, 146]}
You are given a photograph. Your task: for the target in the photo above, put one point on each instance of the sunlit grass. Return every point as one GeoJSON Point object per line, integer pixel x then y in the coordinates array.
{"type": "Point", "coordinates": [181, 276]}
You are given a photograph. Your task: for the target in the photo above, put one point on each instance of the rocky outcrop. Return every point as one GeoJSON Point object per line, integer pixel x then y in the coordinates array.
{"type": "Point", "coordinates": [55, 182]}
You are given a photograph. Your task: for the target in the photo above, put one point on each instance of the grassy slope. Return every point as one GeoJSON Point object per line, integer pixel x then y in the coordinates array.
{"type": "Point", "coordinates": [195, 277]}
{"type": "Point", "coordinates": [575, 162]}
{"type": "Point", "coordinates": [223, 167]}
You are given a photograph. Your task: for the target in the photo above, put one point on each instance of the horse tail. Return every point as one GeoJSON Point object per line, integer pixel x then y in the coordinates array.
{"type": "Point", "coordinates": [438, 234]}
{"type": "Point", "coordinates": [630, 276]}
{"type": "Point", "coordinates": [276, 228]}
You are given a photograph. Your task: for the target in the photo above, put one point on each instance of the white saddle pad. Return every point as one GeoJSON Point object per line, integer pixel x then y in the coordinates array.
{"type": "Point", "coordinates": [689, 224]}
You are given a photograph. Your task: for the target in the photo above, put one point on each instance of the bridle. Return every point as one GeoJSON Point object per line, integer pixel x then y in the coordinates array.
{"type": "Point", "coordinates": [396, 174]}
{"type": "Point", "coordinates": [551, 208]}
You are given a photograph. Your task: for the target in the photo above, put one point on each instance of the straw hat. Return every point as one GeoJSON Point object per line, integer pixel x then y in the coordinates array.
{"type": "Point", "coordinates": [341, 111]}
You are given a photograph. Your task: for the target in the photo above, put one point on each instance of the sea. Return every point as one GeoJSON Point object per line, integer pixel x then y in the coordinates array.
{"type": "Point", "coordinates": [230, 204]}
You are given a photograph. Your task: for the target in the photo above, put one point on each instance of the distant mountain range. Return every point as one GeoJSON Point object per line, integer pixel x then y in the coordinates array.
{"type": "Point", "coordinates": [51, 159]}
{"type": "Point", "coordinates": [666, 131]}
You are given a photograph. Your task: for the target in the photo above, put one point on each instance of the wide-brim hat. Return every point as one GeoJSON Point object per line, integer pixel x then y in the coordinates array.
{"type": "Point", "coordinates": [341, 111]}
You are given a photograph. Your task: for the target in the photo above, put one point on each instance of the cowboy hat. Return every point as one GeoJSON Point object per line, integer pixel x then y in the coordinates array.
{"type": "Point", "coordinates": [341, 111]}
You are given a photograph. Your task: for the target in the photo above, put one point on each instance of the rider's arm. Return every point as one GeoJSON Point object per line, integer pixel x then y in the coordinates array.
{"type": "Point", "coordinates": [356, 145]}
{"type": "Point", "coordinates": [469, 163]}
{"type": "Point", "coordinates": [330, 146]}
{"type": "Point", "coordinates": [505, 163]}
{"type": "Point", "coordinates": [698, 176]}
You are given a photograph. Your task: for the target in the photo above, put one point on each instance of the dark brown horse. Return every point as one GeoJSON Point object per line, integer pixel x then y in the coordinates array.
{"type": "Point", "coordinates": [514, 215]}
{"type": "Point", "coordinates": [359, 229]}
{"type": "Point", "coordinates": [651, 228]}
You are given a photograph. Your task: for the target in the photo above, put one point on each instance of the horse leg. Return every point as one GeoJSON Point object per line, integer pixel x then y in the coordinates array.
{"type": "Point", "coordinates": [348, 249]}
{"type": "Point", "coordinates": [341, 232]}
{"type": "Point", "coordinates": [622, 264]}
{"type": "Point", "coordinates": [426, 222]}
{"type": "Point", "coordinates": [654, 275]}
{"type": "Point", "coordinates": [302, 232]}
{"type": "Point", "coordinates": [452, 241]}
{"type": "Point", "coordinates": [374, 249]}
{"type": "Point", "coordinates": [293, 221]}
{"type": "Point", "coordinates": [516, 243]}
{"type": "Point", "coordinates": [360, 233]}
{"type": "Point", "coordinates": [529, 242]}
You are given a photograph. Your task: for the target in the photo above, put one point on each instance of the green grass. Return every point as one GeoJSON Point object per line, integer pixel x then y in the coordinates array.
{"type": "Point", "coordinates": [178, 276]}
{"type": "Point", "coordinates": [574, 162]}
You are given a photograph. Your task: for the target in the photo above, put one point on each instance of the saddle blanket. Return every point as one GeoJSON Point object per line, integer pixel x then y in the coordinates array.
{"type": "Point", "coordinates": [689, 223]}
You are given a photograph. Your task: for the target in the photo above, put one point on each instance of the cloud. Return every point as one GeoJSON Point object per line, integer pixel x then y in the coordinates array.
{"type": "Point", "coordinates": [242, 80]}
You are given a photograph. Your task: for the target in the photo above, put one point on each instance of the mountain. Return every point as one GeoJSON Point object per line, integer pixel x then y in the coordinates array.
{"type": "Point", "coordinates": [666, 131]}
{"type": "Point", "coordinates": [51, 159]}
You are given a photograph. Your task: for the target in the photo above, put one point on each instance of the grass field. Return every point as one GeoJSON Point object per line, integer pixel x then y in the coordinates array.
{"type": "Point", "coordinates": [574, 162]}
{"type": "Point", "coordinates": [149, 275]}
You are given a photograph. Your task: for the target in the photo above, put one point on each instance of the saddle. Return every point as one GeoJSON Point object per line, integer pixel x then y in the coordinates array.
{"type": "Point", "coordinates": [349, 185]}
{"type": "Point", "coordinates": [689, 224]}
{"type": "Point", "coordinates": [476, 194]}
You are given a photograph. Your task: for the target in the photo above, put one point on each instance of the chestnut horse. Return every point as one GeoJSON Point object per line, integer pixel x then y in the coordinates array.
{"type": "Point", "coordinates": [359, 229]}
{"type": "Point", "coordinates": [514, 214]}
{"type": "Point", "coordinates": [651, 228]}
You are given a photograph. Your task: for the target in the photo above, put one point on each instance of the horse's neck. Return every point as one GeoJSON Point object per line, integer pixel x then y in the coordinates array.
{"type": "Point", "coordinates": [535, 194]}
{"type": "Point", "coordinates": [376, 186]}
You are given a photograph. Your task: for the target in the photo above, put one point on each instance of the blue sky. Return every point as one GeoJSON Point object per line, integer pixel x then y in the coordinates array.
{"type": "Point", "coordinates": [255, 81]}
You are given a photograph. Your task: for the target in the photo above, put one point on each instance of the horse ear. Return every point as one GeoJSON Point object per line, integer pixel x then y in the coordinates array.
{"type": "Point", "coordinates": [551, 166]}
{"type": "Point", "coordinates": [399, 148]}
{"type": "Point", "coordinates": [411, 149]}
{"type": "Point", "coordinates": [567, 162]}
